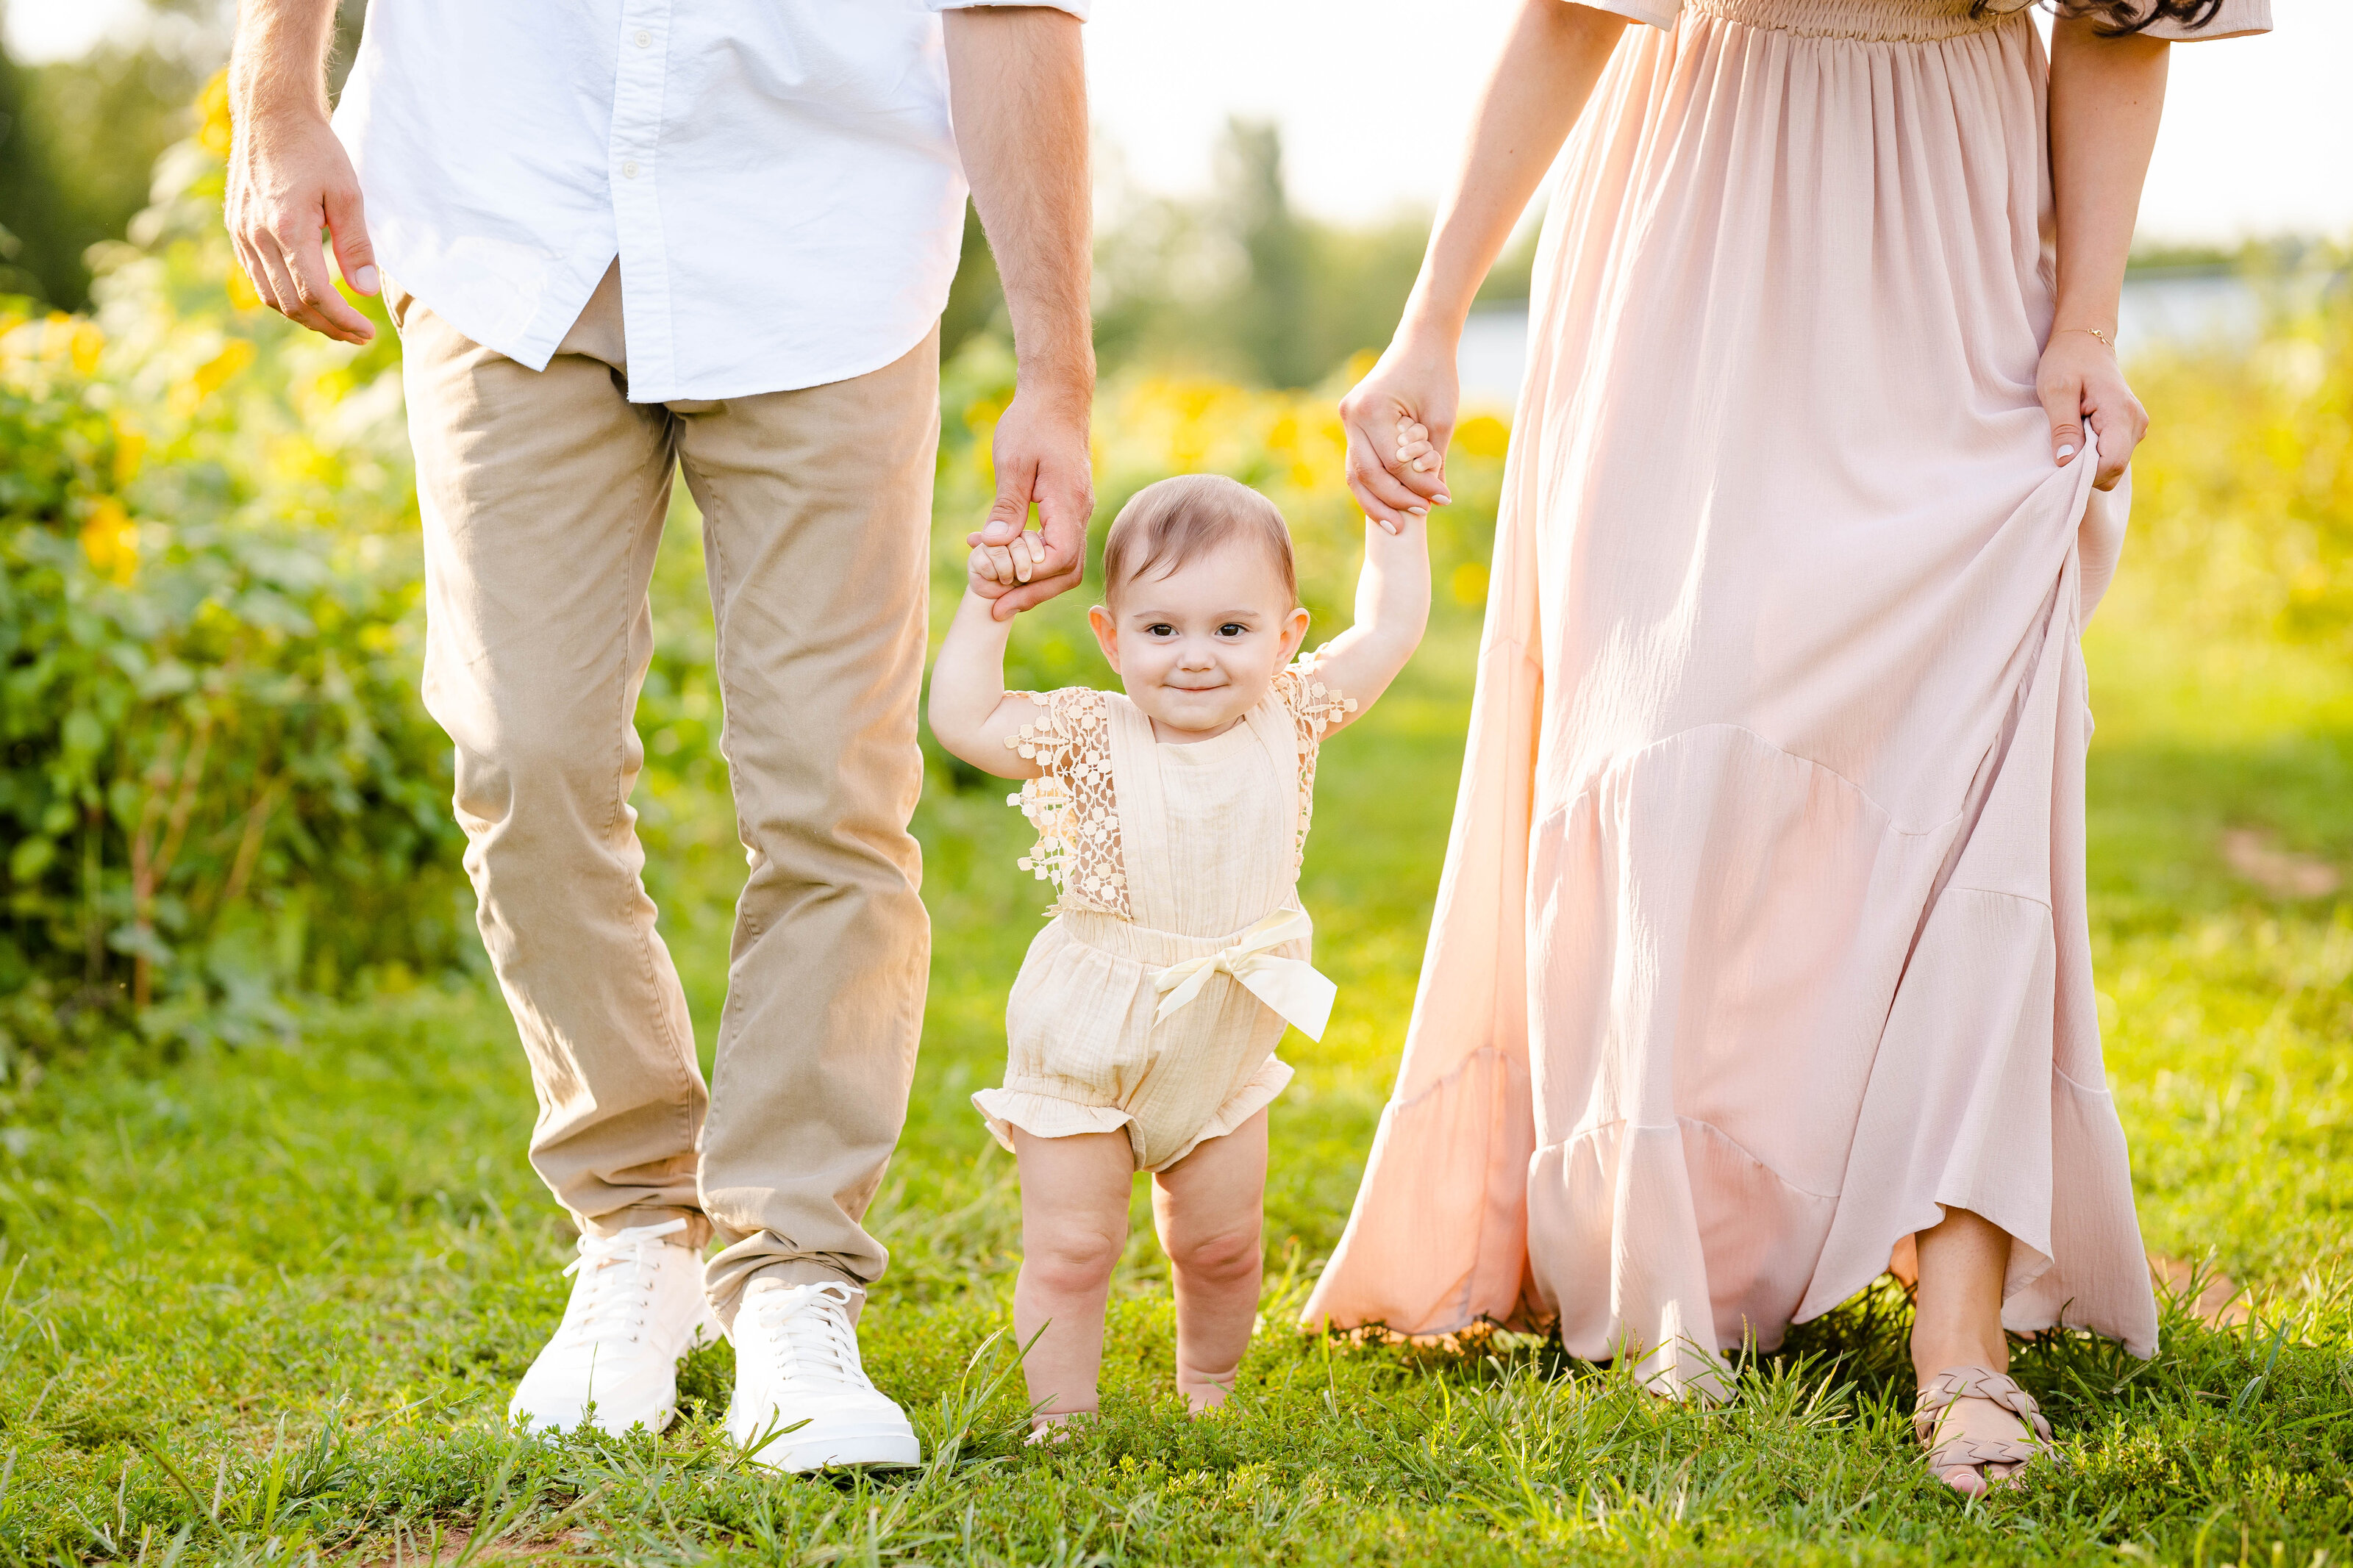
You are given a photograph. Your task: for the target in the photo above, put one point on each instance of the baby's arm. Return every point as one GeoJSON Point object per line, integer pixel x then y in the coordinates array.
{"type": "Point", "coordinates": [971, 714]}
{"type": "Point", "coordinates": [1392, 609]}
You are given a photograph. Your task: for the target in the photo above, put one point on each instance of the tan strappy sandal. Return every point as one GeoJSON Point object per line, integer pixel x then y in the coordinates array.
{"type": "Point", "coordinates": [1956, 1452]}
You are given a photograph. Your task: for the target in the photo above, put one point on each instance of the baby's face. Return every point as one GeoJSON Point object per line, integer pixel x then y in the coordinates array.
{"type": "Point", "coordinates": [1197, 648]}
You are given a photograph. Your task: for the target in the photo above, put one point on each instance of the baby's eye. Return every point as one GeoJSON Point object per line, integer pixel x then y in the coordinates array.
{"type": "Point", "coordinates": [1233, 630]}
{"type": "Point", "coordinates": [1160, 630]}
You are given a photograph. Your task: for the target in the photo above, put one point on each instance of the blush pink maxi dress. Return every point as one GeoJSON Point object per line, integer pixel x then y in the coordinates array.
{"type": "Point", "coordinates": [1761, 939]}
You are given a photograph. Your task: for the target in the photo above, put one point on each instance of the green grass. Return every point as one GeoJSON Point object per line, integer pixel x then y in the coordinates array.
{"type": "Point", "coordinates": [268, 1303]}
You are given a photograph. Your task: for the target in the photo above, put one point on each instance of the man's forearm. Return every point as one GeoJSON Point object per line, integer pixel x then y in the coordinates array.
{"type": "Point", "coordinates": [1017, 85]}
{"type": "Point", "coordinates": [279, 63]}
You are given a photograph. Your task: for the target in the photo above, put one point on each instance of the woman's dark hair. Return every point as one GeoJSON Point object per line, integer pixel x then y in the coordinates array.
{"type": "Point", "coordinates": [2119, 17]}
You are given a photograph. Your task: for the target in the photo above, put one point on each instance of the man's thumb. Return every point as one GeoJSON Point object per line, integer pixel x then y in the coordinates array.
{"type": "Point", "coordinates": [348, 227]}
{"type": "Point", "coordinates": [1008, 515]}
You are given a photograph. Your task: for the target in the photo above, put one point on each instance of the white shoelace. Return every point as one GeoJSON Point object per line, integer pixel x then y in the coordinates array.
{"type": "Point", "coordinates": [616, 1291]}
{"type": "Point", "coordinates": [810, 1324]}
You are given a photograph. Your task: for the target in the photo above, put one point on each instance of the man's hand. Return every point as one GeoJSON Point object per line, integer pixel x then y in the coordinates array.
{"type": "Point", "coordinates": [1041, 455]}
{"type": "Point", "coordinates": [1017, 89]}
{"type": "Point", "coordinates": [289, 177]}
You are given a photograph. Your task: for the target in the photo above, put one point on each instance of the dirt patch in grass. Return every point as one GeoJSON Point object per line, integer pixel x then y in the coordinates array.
{"type": "Point", "coordinates": [2283, 873]}
{"type": "Point", "coordinates": [414, 1549]}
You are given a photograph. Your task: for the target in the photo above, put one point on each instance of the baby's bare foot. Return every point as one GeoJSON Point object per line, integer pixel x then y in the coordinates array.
{"type": "Point", "coordinates": [1203, 1396]}
{"type": "Point", "coordinates": [1059, 1428]}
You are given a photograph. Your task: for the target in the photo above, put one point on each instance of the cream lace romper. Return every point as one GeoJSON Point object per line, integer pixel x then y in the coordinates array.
{"type": "Point", "coordinates": [1139, 1006]}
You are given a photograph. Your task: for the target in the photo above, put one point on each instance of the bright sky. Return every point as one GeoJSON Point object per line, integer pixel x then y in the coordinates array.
{"type": "Point", "coordinates": [1373, 94]}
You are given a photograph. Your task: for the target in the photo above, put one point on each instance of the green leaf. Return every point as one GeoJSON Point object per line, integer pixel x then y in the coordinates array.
{"type": "Point", "coordinates": [30, 858]}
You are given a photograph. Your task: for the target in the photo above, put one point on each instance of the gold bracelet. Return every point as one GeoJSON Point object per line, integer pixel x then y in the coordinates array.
{"type": "Point", "coordinates": [2106, 341]}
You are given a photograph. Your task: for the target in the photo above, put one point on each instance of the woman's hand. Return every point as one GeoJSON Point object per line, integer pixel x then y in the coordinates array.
{"type": "Point", "coordinates": [2080, 382]}
{"type": "Point", "coordinates": [1398, 420]}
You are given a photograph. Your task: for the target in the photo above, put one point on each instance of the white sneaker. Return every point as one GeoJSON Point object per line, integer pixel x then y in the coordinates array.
{"type": "Point", "coordinates": [637, 1307]}
{"type": "Point", "coordinates": [797, 1367]}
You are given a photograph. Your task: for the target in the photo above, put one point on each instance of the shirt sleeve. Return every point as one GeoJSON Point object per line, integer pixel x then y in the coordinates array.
{"type": "Point", "coordinates": [1078, 8]}
{"type": "Point", "coordinates": [2234, 19]}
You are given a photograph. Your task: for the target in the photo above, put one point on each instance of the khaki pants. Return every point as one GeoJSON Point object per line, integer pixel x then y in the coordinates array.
{"type": "Point", "coordinates": [543, 496]}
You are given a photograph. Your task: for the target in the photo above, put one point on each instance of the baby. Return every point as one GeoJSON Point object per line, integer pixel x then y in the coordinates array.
{"type": "Point", "coordinates": [1171, 820]}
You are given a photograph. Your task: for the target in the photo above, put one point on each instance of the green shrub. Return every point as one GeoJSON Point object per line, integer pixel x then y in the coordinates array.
{"type": "Point", "coordinates": [216, 782]}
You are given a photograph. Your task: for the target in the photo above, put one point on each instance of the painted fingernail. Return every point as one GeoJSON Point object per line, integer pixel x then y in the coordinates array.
{"type": "Point", "coordinates": [2065, 453]}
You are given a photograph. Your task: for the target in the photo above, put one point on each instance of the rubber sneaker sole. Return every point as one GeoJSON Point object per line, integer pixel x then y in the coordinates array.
{"type": "Point", "coordinates": [879, 1450]}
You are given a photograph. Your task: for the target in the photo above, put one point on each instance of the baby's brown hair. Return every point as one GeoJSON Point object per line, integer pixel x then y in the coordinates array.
{"type": "Point", "coordinates": [1164, 525]}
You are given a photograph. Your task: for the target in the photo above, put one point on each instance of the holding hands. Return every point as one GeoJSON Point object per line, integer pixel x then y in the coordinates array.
{"type": "Point", "coordinates": [995, 569]}
{"type": "Point", "coordinates": [1398, 420]}
{"type": "Point", "coordinates": [1042, 457]}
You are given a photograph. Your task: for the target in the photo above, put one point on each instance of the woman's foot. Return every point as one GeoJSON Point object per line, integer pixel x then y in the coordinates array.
{"type": "Point", "coordinates": [1979, 1428]}
{"type": "Point", "coordinates": [1977, 1425]}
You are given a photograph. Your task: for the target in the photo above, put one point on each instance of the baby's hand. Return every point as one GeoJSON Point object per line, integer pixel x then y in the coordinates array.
{"type": "Point", "coordinates": [1414, 449]}
{"type": "Point", "coordinates": [994, 568]}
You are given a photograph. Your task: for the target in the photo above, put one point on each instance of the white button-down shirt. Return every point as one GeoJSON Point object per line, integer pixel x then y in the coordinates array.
{"type": "Point", "coordinates": [778, 177]}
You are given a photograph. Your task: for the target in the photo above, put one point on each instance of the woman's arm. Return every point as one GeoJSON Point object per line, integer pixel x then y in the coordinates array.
{"type": "Point", "coordinates": [2106, 94]}
{"type": "Point", "coordinates": [1392, 609]}
{"type": "Point", "coordinates": [1539, 86]}
{"type": "Point", "coordinates": [971, 714]}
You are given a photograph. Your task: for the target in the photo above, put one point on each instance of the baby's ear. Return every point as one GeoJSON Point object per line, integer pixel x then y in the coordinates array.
{"type": "Point", "coordinates": [1099, 621]}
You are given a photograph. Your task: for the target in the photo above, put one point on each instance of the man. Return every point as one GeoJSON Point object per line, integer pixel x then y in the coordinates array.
{"type": "Point", "coordinates": [619, 239]}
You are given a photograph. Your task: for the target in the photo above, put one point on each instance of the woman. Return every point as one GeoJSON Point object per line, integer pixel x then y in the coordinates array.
{"type": "Point", "coordinates": [1760, 954]}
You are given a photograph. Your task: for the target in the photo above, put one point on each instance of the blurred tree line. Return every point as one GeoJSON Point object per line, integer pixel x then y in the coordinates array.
{"type": "Point", "coordinates": [77, 141]}
{"type": "Point", "coordinates": [1238, 284]}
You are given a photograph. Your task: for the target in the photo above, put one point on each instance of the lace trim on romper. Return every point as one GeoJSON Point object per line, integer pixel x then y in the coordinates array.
{"type": "Point", "coordinates": [1315, 707]}
{"type": "Point", "coordinates": [1073, 803]}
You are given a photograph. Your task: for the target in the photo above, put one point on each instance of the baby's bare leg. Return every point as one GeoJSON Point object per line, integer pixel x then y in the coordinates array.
{"type": "Point", "coordinates": [1074, 1194]}
{"type": "Point", "coordinates": [1209, 1207]}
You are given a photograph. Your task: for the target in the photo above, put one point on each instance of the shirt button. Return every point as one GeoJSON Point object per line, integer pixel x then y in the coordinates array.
{"type": "Point", "coordinates": [629, 170]}
{"type": "Point", "coordinates": [644, 39]}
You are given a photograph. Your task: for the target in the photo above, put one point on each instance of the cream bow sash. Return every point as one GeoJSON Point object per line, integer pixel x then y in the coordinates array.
{"type": "Point", "coordinates": [1291, 987]}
